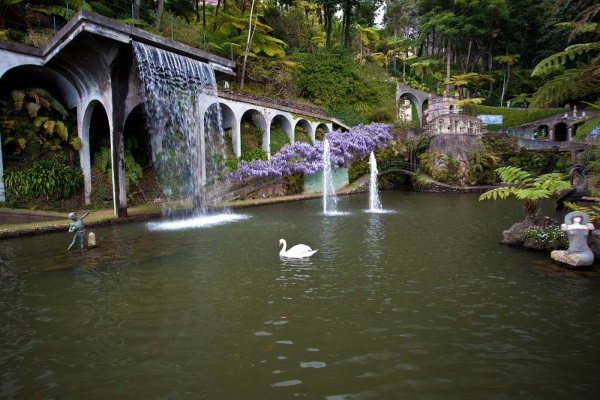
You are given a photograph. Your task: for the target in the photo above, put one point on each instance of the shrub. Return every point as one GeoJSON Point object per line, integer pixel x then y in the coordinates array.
{"type": "Point", "coordinates": [43, 179]}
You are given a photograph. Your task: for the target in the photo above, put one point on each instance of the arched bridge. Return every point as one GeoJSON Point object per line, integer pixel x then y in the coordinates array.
{"type": "Point", "coordinates": [91, 65]}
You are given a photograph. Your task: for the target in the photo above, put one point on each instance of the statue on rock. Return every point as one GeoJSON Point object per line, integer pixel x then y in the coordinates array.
{"type": "Point", "coordinates": [578, 229]}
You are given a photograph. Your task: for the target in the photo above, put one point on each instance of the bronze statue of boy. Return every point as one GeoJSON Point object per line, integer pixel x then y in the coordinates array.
{"type": "Point", "coordinates": [79, 229]}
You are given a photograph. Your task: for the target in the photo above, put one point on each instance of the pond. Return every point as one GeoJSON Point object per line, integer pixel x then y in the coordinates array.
{"type": "Point", "coordinates": [419, 302]}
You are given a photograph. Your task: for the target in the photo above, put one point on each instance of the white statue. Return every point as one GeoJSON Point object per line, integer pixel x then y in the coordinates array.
{"type": "Point", "coordinates": [578, 229]}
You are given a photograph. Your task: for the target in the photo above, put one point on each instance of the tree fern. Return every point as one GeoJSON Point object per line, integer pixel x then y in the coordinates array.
{"type": "Point", "coordinates": [556, 61]}
{"type": "Point", "coordinates": [523, 186]}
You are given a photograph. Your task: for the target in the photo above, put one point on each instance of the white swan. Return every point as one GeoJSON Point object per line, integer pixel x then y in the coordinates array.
{"type": "Point", "coordinates": [298, 251]}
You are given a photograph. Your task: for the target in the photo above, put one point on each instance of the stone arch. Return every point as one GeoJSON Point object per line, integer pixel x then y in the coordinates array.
{"type": "Point", "coordinates": [95, 127]}
{"type": "Point", "coordinates": [543, 131]}
{"type": "Point", "coordinates": [304, 125]}
{"type": "Point", "coordinates": [320, 131]}
{"type": "Point", "coordinates": [415, 102]}
{"type": "Point", "coordinates": [255, 118]}
{"type": "Point", "coordinates": [418, 97]}
{"type": "Point", "coordinates": [561, 132]}
{"type": "Point", "coordinates": [37, 76]}
{"type": "Point", "coordinates": [231, 128]}
{"type": "Point", "coordinates": [285, 124]}
{"type": "Point", "coordinates": [281, 120]}
{"type": "Point", "coordinates": [423, 113]}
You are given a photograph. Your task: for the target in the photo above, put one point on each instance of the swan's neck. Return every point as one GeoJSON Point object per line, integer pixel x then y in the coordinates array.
{"type": "Point", "coordinates": [283, 248]}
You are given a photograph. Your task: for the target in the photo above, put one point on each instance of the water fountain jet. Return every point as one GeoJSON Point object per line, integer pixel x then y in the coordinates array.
{"type": "Point", "coordinates": [374, 202]}
{"type": "Point", "coordinates": [329, 196]}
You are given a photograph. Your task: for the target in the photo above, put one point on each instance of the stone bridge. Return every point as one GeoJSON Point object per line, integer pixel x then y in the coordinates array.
{"type": "Point", "coordinates": [90, 64]}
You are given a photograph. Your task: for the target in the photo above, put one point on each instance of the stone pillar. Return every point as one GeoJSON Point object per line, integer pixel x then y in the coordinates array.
{"type": "Point", "coordinates": [123, 70]}
{"type": "Point", "coordinates": [83, 127]}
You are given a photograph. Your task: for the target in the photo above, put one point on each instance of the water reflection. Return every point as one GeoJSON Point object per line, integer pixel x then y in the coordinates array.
{"type": "Point", "coordinates": [422, 302]}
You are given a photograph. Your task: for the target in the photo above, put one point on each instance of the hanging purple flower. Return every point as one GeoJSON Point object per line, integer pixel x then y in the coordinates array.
{"type": "Point", "coordinates": [308, 159]}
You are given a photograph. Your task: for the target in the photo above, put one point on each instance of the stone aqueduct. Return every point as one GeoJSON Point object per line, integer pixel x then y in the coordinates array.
{"type": "Point", "coordinates": [90, 64]}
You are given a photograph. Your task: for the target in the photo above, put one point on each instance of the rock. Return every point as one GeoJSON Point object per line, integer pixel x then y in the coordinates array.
{"type": "Point", "coordinates": [571, 260]}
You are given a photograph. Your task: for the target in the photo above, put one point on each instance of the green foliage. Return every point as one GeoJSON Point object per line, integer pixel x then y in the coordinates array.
{"type": "Point", "coordinates": [482, 164]}
{"type": "Point", "coordinates": [36, 125]}
{"type": "Point", "coordinates": [294, 183]}
{"type": "Point", "coordinates": [251, 137]}
{"type": "Point", "coordinates": [348, 91]}
{"type": "Point", "coordinates": [528, 160]}
{"type": "Point", "coordinates": [347, 114]}
{"type": "Point", "coordinates": [524, 186]}
{"type": "Point", "coordinates": [301, 135]}
{"type": "Point", "coordinates": [278, 139]}
{"type": "Point", "coordinates": [133, 171]}
{"type": "Point", "coordinates": [517, 116]}
{"type": "Point", "coordinates": [448, 174]}
{"type": "Point", "coordinates": [256, 154]}
{"type": "Point", "coordinates": [545, 234]}
{"type": "Point", "coordinates": [43, 179]}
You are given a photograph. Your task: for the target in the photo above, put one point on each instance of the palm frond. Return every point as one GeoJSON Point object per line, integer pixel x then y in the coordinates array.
{"type": "Point", "coordinates": [556, 61]}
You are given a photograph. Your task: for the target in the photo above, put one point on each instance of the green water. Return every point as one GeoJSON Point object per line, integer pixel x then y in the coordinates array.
{"type": "Point", "coordinates": [418, 303]}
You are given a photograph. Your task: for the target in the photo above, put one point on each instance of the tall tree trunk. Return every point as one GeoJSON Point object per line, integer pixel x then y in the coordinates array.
{"type": "Point", "coordinates": [136, 9]}
{"type": "Point", "coordinates": [248, 41]}
{"type": "Point", "coordinates": [490, 66]}
{"type": "Point", "coordinates": [159, 11]}
{"type": "Point", "coordinates": [216, 15]}
{"type": "Point", "coordinates": [466, 68]}
{"type": "Point", "coordinates": [345, 39]}
{"type": "Point", "coordinates": [448, 71]}
{"type": "Point", "coordinates": [328, 17]}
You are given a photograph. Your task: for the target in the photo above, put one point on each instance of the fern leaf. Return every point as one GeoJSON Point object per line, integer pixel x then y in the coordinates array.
{"type": "Point", "coordinates": [76, 143]}
{"type": "Point", "coordinates": [18, 98]}
{"type": "Point", "coordinates": [49, 126]}
{"type": "Point", "coordinates": [61, 130]}
{"type": "Point", "coordinates": [532, 194]}
{"type": "Point", "coordinates": [39, 121]}
{"type": "Point", "coordinates": [513, 175]}
{"type": "Point", "coordinates": [102, 159]}
{"type": "Point", "coordinates": [32, 109]}
{"type": "Point", "coordinates": [493, 194]}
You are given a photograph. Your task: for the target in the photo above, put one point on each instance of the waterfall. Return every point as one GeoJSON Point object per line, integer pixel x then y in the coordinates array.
{"type": "Point", "coordinates": [329, 196]}
{"type": "Point", "coordinates": [374, 202]}
{"type": "Point", "coordinates": [188, 148]}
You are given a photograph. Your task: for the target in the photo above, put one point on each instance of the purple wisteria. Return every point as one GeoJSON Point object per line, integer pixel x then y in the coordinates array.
{"type": "Point", "coordinates": [308, 159]}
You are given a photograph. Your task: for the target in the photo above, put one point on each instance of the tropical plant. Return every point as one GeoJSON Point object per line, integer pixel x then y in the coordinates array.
{"type": "Point", "coordinates": [575, 71]}
{"type": "Point", "coordinates": [46, 179]}
{"type": "Point", "coordinates": [133, 171]}
{"type": "Point", "coordinates": [524, 186]}
{"type": "Point", "coordinates": [507, 61]}
{"type": "Point", "coordinates": [461, 81]}
{"type": "Point", "coordinates": [35, 123]}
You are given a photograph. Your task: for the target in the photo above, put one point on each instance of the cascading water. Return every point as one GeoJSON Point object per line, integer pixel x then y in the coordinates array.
{"type": "Point", "coordinates": [374, 202]}
{"type": "Point", "coordinates": [329, 196]}
{"type": "Point", "coordinates": [186, 161]}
